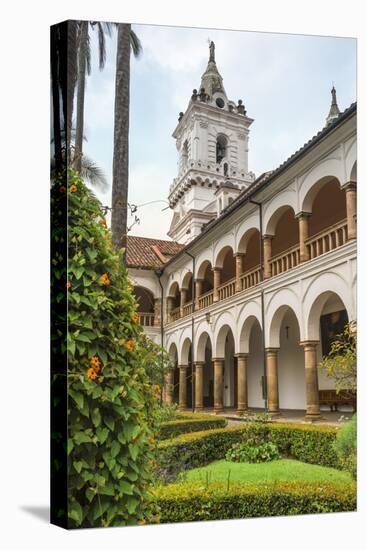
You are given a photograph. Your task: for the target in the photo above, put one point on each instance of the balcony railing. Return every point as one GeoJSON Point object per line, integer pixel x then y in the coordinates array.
{"type": "Point", "coordinates": [187, 309]}
{"type": "Point", "coordinates": [286, 260]}
{"type": "Point", "coordinates": [205, 300]}
{"type": "Point", "coordinates": [327, 240]}
{"type": "Point", "coordinates": [250, 278]}
{"type": "Point", "coordinates": [174, 315]}
{"type": "Point", "coordinates": [227, 289]}
{"type": "Point", "coordinates": [146, 319]}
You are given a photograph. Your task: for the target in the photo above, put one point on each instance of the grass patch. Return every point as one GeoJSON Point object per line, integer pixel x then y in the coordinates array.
{"type": "Point", "coordinates": [278, 470]}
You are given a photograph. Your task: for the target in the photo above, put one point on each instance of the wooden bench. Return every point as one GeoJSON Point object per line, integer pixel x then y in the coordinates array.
{"type": "Point", "coordinates": [333, 399]}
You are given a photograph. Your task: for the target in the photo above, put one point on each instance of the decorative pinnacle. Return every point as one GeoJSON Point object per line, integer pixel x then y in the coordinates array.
{"type": "Point", "coordinates": [334, 110]}
{"type": "Point", "coordinates": [212, 52]}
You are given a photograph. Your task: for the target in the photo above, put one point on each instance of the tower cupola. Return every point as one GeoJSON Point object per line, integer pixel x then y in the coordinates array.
{"type": "Point", "coordinates": [212, 143]}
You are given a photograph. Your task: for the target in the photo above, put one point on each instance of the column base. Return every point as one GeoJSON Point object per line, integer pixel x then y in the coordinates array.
{"type": "Point", "coordinates": [198, 409]}
{"type": "Point", "coordinates": [218, 410]}
{"type": "Point", "coordinates": [274, 414]}
{"type": "Point", "coordinates": [241, 411]}
{"type": "Point", "coordinates": [312, 417]}
{"type": "Point", "coordinates": [181, 409]}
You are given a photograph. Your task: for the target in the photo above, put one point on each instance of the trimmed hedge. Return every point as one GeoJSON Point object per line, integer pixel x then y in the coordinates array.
{"type": "Point", "coordinates": [190, 423]}
{"type": "Point", "coordinates": [193, 502]}
{"type": "Point", "coordinates": [308, 443]}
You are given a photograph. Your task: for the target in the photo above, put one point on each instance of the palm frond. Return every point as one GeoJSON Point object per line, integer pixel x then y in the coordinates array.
{"type": "Point", "coordinates": [101, 43]}
{"type": "Point", "coordinates": [136, 45]}
{"type": "Point", "coordinates": [93, 174]}
{"type": "Point", "coordinates": [87, 54]}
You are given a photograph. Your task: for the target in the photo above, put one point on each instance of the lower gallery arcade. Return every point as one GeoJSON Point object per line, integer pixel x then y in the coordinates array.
{"type": "Point", "coordinates": [231, 367]}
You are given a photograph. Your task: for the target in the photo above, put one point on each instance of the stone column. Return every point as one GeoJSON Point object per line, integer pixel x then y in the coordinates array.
{"type": "Point", "coordinates": [169, 387]}
{"type": "Point", "coordinates": [182, 387]}
{"type": "Point", "coordinates": [267, 253]}
{"type": "Point", "coordinates": [351, 205]}
{"type": "Point", "coordinates": [217, 282]}
{"type": "Point", "coordinates": [183, 299]}
{"type": "Point", "coordinates": [199, 284]}
{"type": "Point", "coordinates": [242, 383]}
{"type": "Point", "coordinates": [218, 385]}
{"type": "Point", "coordinates": [157, 312]}
{"type": "Point", "coordinates": [311, 379]}
{"type": "Point", "coordinates": [303, 218]}
{"type": "Point", "coordinates": [199, 366]}
{"type": "Point", "coordinates": [169, 307]}
{"type": "Point", "coordinates": [239, 269]}
{"type": "Point", "coordinates": [272, 381]}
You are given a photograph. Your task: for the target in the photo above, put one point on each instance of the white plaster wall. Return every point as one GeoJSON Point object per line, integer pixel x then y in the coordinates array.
{"type": "Point", "coordinates": [255, 369]}
{"type": "Point", "coordinates": [291, 367]}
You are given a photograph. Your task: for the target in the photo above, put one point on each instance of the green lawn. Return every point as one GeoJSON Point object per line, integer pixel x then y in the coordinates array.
{"type": "Point", "coordinates": [277, 470]}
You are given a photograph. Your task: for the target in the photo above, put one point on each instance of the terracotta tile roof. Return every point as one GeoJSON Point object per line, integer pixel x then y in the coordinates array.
{"type": "Point", "coordinates": [150, 253]}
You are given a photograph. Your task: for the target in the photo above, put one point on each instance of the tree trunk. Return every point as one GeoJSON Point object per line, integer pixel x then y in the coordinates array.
{"type": "Point", "coordinates": [80, 95]}
{"type": "Point", "coordinates": [121, 131]}
{"type": "Point", "coordinates": [68, 86]}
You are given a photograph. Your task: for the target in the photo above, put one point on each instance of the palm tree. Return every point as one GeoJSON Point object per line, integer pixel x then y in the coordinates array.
{"type": "Point", "coordinates": [63, 75]}
{"type": "Point", "coordinates": [84, 68]}
{"type": "Point", "coordinates": [126, 41]}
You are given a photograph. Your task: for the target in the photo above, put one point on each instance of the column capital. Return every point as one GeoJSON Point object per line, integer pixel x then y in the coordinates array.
{"type": "Point", "coordinates": [216, 268]}
{"type": "Point", "coordinates": [309, 343]}
{"type": "Point", "coordinates": [199, 279]}
{"type": "Point", "coordinates": [272, 351]}
{"type": "Point", "coordinates": [349, 186]}
{"type": "Point", "coordinates": [183, 366]}
{"type": "Point", "coordinates": [241, 355]}
{"type": "Point", "coordinates": [218, 359]}
{"type": "Point", "coordinates": [199, 363]}
{"type": "Point", "coordinates": [267, 237]}
{"type": "Point", "coordinates": [303, 214]}
{"type": "Point", "coordinates": [239, 254]}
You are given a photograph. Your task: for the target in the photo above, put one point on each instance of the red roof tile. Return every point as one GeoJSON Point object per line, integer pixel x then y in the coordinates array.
{"type": "Point", "coordinates": [150, 253]}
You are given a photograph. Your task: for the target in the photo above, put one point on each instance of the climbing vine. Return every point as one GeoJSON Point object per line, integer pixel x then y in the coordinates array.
{"type": "Point", "coordinates": [111, 401]}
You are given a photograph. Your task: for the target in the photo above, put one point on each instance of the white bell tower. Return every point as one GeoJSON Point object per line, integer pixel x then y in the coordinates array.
{"type": "Point", "coordinates": [212, 143]}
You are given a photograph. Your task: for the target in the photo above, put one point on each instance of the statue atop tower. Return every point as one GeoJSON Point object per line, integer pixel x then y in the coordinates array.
{"type": "Point", "coordinates": [212, 143]}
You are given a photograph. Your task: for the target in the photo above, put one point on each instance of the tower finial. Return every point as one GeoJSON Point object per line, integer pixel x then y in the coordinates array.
{"type": "Point", "coordinates": [212, 52]}
{"type": "Point", "coordinates": [334, 109]}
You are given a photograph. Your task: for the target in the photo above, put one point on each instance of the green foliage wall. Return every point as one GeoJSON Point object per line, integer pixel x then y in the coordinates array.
{"type": "Point", "coordinates": [111, 402]}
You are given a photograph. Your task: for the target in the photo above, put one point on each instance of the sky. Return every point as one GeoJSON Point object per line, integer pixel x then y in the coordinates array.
{"type": "Point", "coordinates": [284, 81]}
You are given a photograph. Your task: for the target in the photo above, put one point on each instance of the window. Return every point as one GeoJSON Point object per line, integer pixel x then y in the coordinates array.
{"type": "Point", "coordinates": [221, 148]}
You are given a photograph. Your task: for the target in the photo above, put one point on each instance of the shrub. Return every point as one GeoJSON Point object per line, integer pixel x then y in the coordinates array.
{"type": "Point", "coordinates": [166, 412]}
{"type": "Point", "coordinates": [197, 502]}
{"type": "Point", "coordinates": [111, 404]}
{"type": "Point", "coordinates": [187, 424]}
{"type": "Point", "coordinates": [308, 443]}
{"type": "Point", "coordinates": [252, 452]}
{"type": "Point", "coordinates": [345, 446]}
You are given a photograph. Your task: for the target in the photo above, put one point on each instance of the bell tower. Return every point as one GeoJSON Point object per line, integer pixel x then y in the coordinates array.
{"type": "Point", "coordinates": [212, 143]}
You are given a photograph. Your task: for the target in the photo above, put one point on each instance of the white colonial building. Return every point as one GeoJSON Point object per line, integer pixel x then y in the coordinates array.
{"type": "Point", "coordinates": [261, 272]}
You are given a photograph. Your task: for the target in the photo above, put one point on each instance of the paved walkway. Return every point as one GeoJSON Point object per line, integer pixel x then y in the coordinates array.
{"type": "Point", "coordinates": [295, 416]}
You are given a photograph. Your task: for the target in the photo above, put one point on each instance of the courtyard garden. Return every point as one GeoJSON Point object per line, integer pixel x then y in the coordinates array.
{"type": "Point", "coordinates": [206, 470]}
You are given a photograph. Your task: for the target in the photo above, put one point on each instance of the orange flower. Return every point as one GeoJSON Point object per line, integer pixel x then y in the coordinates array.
{"type": "Point", "coordinates": [73, 189]}
{"type": "Point", "coordinates": [92, 375]}
{"type": "Point", "coordinates": [142, 522]}
{"type": "Point", "coordinates": [130, 345]}
{"type": "Point", "coordinates": [103, 222]}
{"type": "Point", "coordinates": [152, 440]}
{"type": "Point", "coordinates": [105, 280]}
{"type": "Point", "coordinates": [68, 284]}
{"type": "Point", "coordinates": [62, 189]}
{"type": "Point", "coordinates": [135, 317]}
{"type": "Point", "coordinates": [95, 363]}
